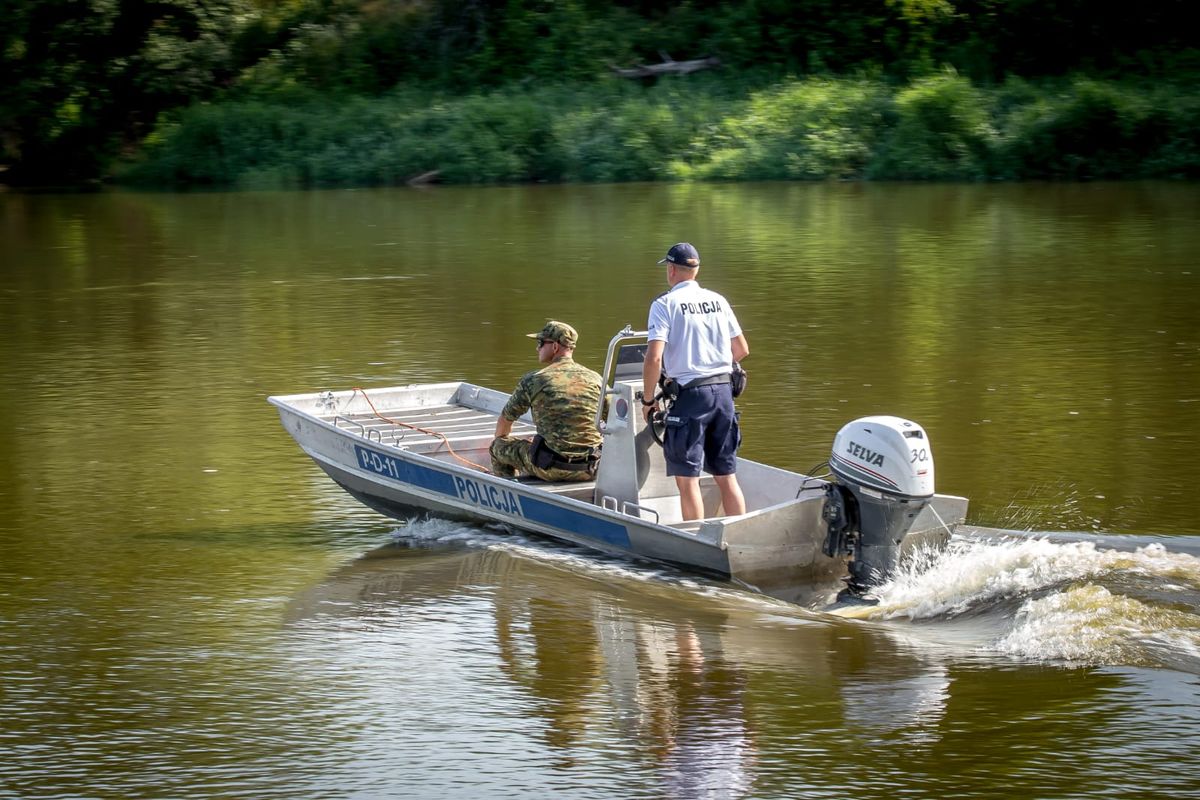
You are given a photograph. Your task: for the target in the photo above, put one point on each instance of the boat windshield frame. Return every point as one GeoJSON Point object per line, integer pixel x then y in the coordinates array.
{"type": "Point", "coordinates": [626, 334]}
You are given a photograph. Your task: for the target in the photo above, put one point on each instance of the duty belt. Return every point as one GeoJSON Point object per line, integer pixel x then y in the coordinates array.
{"type": "Point", "coordinates": [583, 463]}
{"type": "Point", "coordinates": [709, 381]}
{"type": "Point", "coordinates": [573, 460]}
{"type": "Point", "coordinates": [578, 464]}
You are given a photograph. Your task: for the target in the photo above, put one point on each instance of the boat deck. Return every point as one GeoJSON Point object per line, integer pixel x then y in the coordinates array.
{"type": "Point", "coordinates": [468, 431]}
{"type": "Point", "coordinates": [417, 429]}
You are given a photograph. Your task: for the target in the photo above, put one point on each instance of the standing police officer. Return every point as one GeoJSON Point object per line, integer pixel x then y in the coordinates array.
{"type": "Point", "coordinates": [564, 397]}
{"type": "Point", "coordinates": [694, 338]}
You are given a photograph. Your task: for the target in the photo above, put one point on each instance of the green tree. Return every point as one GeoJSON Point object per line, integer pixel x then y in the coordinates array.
{"type": "Point", "coordinates": [84, 77]}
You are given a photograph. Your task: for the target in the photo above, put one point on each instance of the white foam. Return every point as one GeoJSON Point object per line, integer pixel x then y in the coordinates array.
{"type": "Point", "coordinates": [970, 573]}
{"type": "Point", "coordinates": [441, 530]}
{"type": "Point", "coordinates": [1066, 614]}
{"type": "Point", "coordinates": [1089, 625]}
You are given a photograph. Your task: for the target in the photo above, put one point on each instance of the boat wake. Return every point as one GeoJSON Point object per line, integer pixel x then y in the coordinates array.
{"type": "Point", "coordinates": [1075, 600]}
{"type": "Point", "coordinates": [1071, 602]}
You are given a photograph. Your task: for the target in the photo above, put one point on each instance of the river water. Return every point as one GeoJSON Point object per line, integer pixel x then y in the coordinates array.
{"type": "Point", "coordinates": [189, 608]}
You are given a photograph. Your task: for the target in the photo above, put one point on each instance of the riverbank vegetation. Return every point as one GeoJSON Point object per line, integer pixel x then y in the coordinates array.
{"type": "Point", "coordinates": [299, 93]}
{"type": "Point", "coordinates": [938, 127]}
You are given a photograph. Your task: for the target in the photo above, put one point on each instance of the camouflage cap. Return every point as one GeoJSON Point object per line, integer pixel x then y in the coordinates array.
{"type": "Point", "coordinates": [555, 331]}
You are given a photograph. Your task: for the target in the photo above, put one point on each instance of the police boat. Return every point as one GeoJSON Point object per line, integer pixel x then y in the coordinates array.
{"type": "Point", "coordinates": [418, 450]}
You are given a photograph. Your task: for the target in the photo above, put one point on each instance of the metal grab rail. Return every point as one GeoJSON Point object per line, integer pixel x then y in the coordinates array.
{"type": "Point", "coordinates": [370, 434]}
{"type": "Point", "coordinates": [609, 503]}
{"type": "Point", "coordinates": [628, 504]}
{"type": "Point", "coordinates": [373, 434]}
{"type": "Point", "coordinates": [362, 429]}
{"type": "Point", "coordinates": [625, 334]}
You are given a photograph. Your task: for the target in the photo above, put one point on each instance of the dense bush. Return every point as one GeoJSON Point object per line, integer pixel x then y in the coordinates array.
{"type": "Point", "coordinates": [936, 128]}
{"type": "Point", "coordinates": [1089, 129]}
{"type": "Point", "coordinates": [942, 131]}
{"type": "Point", "coordinates": [813, 129]}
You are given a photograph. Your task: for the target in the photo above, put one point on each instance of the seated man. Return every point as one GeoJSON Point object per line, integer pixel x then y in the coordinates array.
{"type": "Point", "coordinates": [564, 397]}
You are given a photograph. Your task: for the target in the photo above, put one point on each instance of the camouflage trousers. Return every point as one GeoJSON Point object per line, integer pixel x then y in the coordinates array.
{"type": "Point", "coordinates": [510, 455]}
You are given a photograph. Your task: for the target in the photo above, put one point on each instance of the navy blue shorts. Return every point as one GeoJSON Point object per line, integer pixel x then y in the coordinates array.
{"type": "Point", "coordinates": [702, 432]}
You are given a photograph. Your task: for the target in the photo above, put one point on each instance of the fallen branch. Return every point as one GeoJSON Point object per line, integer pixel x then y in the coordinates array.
{"type": "Point", "coordinates": [668, 66]}
{"type": "Point", "coordinates": [425, 178]}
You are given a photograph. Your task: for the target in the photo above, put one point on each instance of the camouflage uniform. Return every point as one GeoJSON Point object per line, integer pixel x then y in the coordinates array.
{"type": "Point", "coordinates": [564, 397]}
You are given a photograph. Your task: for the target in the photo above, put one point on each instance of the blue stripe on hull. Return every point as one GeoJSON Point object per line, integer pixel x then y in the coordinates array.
{"type": "Point", "coordinates": [487, 496]}
{"type": "Point", "coordinates": [405, 471]}
{"type": "Point", "coordinates": [575, 522]}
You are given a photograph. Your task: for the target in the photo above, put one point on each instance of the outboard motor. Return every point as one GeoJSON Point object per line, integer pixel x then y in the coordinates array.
{"type": "Point", "coordinates": [884, 471]}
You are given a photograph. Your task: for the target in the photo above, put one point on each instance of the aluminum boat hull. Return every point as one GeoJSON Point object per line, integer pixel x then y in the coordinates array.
{"type": "Point", "coordinates": [419, 450]}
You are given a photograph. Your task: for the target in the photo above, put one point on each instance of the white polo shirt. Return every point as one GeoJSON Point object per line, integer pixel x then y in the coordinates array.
{"type": "Point", "coordinates": [698, 325]}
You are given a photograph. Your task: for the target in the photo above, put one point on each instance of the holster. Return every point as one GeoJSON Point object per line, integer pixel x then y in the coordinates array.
{"type": "Point", "coordinates": [737, 380]}
{"type": "Point", "coordinates": [670, 389]}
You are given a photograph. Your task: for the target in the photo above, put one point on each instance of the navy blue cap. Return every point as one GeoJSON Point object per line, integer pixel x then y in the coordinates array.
{"type": "Point", "coordinates": [682, 255]}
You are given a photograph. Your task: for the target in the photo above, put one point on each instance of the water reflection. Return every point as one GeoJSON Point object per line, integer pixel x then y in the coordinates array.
{"type": "Point", "coordinates": [668, 687]}
{"type": "Point", "coordinates": [691, 706]}
{"type": "Point", "coordinates": [612, 662]}
{"type": "Point", "coordinates": [553, 655]}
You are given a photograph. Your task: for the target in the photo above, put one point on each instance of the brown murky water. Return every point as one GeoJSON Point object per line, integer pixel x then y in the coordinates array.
{"type": "Point", "coordinates": [189, 608]}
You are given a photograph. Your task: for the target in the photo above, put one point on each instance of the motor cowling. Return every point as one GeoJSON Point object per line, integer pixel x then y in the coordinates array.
{"type": "Point", "coordinates": [887, 454]}
{"type": "Point", "coordinates": [884, 471]}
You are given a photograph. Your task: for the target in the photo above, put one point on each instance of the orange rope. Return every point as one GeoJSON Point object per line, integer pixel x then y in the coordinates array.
{"type": "Point", "coordinates": [437, 434]}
